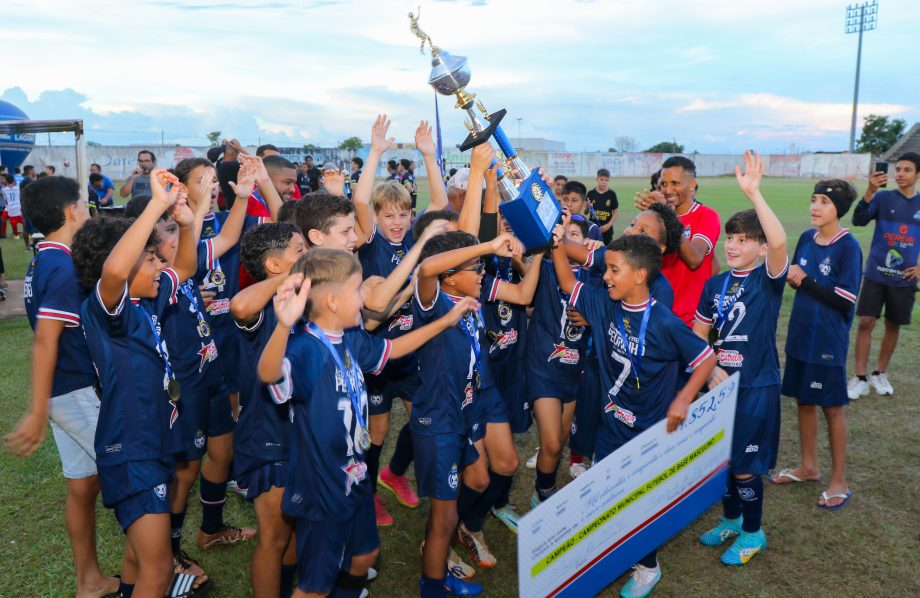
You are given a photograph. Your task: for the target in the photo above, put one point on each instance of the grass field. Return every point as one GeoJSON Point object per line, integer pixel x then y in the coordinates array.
{"type": "Point", "coordinates": [869, 548]}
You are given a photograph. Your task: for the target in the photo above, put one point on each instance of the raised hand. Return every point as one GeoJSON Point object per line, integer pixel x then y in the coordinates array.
{"type": "Point", "coordinates": [749, 182]}
{"type": "Point", "coordinates": [592, 244]}
{"type": "Point", "coordinates": [255, 162]}
{"type": "Point", "coordinates": [160, 179]}
{"type": "Point", "coordinates": [290, 302]}
{"type": "Point", "coordinates": [379, 140]}
{"type": "Point", "coordinates": [423, 139]}
{"type": "Point", "coordinates": [546, 178]}
{"type": "Point", "coordinates": [491, 176]}
{"type": "Point", "coordinates": [876, 180]}
{"type": "Point", "coordinates": [334, 182]}
{"type": "Point", "coordinates": [566, 219]}
{"type": "Point", "coordinates": [434, 229]}
{"type": "Point", "coordinates": [558, 234]}
{"type": "Point", "coordinates": [482, 157]}
{"type": "Point", "coordinates": [181, 212]}
{"type": "Point", "coordinates": [645, 198]}
{"type": "Point", "coordinates": [506, 245]}
{"type": "Point", "coordinates": [245, 178]}
{"type": "Point", "coordinates": [460, 309]}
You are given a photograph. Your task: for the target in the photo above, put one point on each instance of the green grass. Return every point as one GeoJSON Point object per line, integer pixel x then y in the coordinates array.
{"type": "Point", "coordinates": [869, 548]}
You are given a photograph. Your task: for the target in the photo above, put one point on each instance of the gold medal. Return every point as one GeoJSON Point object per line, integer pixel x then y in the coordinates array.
{"type": "Point", "coordinates": [217, 278]}
{"type": "Point", "coordinates": [364, 439]}
{"type": "Point", "coordinates": [203, 328]}
{"type": "Point", "coordinates": [173, 389]}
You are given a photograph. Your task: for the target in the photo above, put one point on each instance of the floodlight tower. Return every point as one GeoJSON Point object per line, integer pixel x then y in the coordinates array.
{"type": "Point", "coordinates": [860, 17]}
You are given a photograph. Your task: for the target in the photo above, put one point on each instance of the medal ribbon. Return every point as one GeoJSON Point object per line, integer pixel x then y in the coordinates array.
{"type": "Point", "coordinates": [190, 295]}
{"type": "Point", "coordinates": [469, 330]}
{"type": "Point", "coordinates": [169, 373]}
{"type": "Point", "coordinates": [728, 302]}
{"type": "Point", "coordinates": [637, 362]}
{"type": "Point", "coordinates": [351, 391]}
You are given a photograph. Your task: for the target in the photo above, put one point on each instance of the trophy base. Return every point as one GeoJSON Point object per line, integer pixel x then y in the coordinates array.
{"type": "Point", "coordinates": [533, 214]}
{"type": "Point", "coordinates": [482, 136]}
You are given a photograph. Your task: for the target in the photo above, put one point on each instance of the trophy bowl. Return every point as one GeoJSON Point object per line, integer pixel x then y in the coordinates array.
{"type": "Point", "coordinates": [449, 74]}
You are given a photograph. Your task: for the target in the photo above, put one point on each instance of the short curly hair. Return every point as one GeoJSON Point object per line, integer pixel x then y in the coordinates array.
{"type": "Point", "coordinates": [672, 228]}
{"type": "Point", "coordinates": [95, 241]}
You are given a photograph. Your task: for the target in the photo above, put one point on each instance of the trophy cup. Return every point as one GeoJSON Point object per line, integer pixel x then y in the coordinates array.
{"type": "Point", "coordinates": [530, 207]}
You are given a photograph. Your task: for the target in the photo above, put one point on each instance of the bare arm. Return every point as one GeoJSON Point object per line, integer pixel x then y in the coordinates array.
{"type": "Point", "coordinates": [471, 212]}
{"type": "Point", "coordinates": [410, 342]}
{"type": "Point", "coordinates": [772, 227]}
{"type": "Point", "coordinates": [564, 276]}
{"type": "Point", "coordinates": [129, 182]}
{"type": "Point", "coordinates": [692, 252]}
{"type": "Point", "coordinates": [425, 144]}
{"type": "Point", "coordinates": [677, 412]}
{"type": "Point", "coordinates": [434, 266]}
{"type": "Point", "coordinates": [266, 187]}
{"type": "Point", "coordinates": [233, 227]}
{"type": "Point", "coordinates": [364, 222]}
{"type": "Point", "coordinates": [248, 303]}
{"type": "Point", "coordinates": [521, 293]}
{"type": "Point", "coordinates": [289, 306]}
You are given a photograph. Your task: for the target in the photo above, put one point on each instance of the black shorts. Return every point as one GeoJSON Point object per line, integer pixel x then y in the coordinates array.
{"type": "Point", "coordinates": [898, 301]}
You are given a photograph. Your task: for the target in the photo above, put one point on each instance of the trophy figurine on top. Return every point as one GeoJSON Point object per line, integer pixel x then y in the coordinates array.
{"type": "Point", "coordinates": [528, 203]}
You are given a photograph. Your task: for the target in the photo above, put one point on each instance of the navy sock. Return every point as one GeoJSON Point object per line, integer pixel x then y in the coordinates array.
{"type": "Point", "coordinates": [650, 560]}
{"type": "Point", "coordinates": [545, 485]}
{"type": "Point", "coordinates": [505, 498]}
{"type": "Point", "coordinates": [372, 458]}
{"type": "Point", "coordinates": [287, 580]}
{"type": "Point", "coordinates": [125, 589]}
{"type": "Point", "coordinates": [498, 485]}
{"type": "Point", "coordinates": [176, 521]}
{"type": "Point", "coordinates": [751, 493]}
{"type": "Point", "coordinates": [348, 585]}
{"type": "Point", "coordinates": [432, 588]}
{"type": "Point", "coordinates": [731, 504]}
{"type": "Point", "coordinates": [402, 454]}
{"type": "Point", "coordinates": [467, 500]}
{"type": "Point", "coordinates": [213, 496]}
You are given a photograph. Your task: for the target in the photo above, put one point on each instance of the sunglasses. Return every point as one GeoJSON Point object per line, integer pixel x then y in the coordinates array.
{"type": "Point", "coordinates": [479, 268]}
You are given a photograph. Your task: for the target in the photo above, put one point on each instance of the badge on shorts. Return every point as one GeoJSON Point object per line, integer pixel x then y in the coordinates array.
{"type": "Point", "coordinates": [453, 477]}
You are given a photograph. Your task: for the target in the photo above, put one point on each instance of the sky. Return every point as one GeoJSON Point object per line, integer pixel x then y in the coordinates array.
{"type": "Point", "coordinates": [718, 76]}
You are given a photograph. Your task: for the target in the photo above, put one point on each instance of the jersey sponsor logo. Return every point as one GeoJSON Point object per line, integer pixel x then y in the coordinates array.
{"type": "Point", "coordinates": [901, 238]}
{"type": "Point", "coordinates": [113, 448]}
{"type": "Point", "coordinates": [376, 399]}
{"type": "Point", "coordinates": [893, 259]}
{"type": "Point", "coordinates": [504, 339]}
{"type": "Point", "coordinates": [624, 415]}
{"type": "Point", "coordinates": [467, 395]}
{"type": "Point", "coordinates": [208, 353]}
{"type": "Point", "coordinates": [355, 471]}
{"type": "Point", "coordinates": [424, 421]}
{"type": "Point", "coordinates": [825, 266]}
{"type": "Point", "coordinates": [199, 439]}
{"type": "Point", "coordinates": [816, 385]}
{"type": "Point", "coordinates": [453, 477]}
{"type": "Point", "coordinates": [731, 359]}
{"type": "Point", "coordinates": [160, 491]}
{"type": "Point", "coordinates": [402, 322]}
{"type": "Point", "coordinates": [752, 448]}
{"type": "Point", "coordinates": [218, 307]}
{"type": "Point", "coordinates": [564, 355]}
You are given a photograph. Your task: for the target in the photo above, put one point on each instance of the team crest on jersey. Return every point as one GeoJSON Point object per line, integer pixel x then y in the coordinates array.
{"type": "Point", "coordinates": [453, 478]}
{"type": "Point", "coordinates": [825, 266]}
{"type": "Point", "coordinates": [504, 339]}
{"type": "Point", "coordinates": [355, 471]}
{"type": "Point", "coordinates": [467, 395]}
{"type": "Point", "coordinates": [199, 439]}
{"type": "Point", "coordinates": [403, 322]}
{"type": "Point", "coordinates": [208, 353]}
{"type": "Point", "coordinates": [731, 359]}
{"type": "Point", "coordinates": [573, 333]}
{"type": "Point", "coordinates": [624, 415]}
{"type": "Point", "coordinates": [504, 313]}
{"type": "Point", "coordinates": [564, 354]}
{"type": "Point", "coordinates": [686, 232]}
{"type": "Point", "coordinates": [160, 491]}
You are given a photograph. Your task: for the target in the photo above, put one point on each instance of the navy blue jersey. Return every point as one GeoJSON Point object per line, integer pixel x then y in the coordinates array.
{"type": "Point", "coordinates": [51, 292]}
{"type": "Point", "coordinates": [443, 403]}
{"type": "Point", "coordinates": [264, 427]}
{"type": "Point", "coordinates": [554, 346]}
{"type": "Point", "coordinates": [895, 245]}
{"type": "Point", "coordinates": [670, 346]}
{"type": "Point", "coordinates": [327, 473]}
{"type": "Point", "coordinates": [660, 289]}
{"type": "Point", "coordinates": [223, 274]}
{"type": "Point", "coordinates": [817, 333]}
{"type": "Point", "coordinates": [135, 414]}
{"type": "Point", "coordinates": [747, 329]}
{"type": "Point", "coordinates": [506, 323]}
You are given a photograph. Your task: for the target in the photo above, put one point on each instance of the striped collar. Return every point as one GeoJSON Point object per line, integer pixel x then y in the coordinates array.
{"type": "Point", "coordinates": [742, 273]}
{"type": "Point", "coordinates": [44, 245]}
{"type": "Point", "coordinates": [334, 337]}
{"type": "Point", "coordinates": [637, 307]}
{"type": "Point", "coordinates": [453, 298]}
{"type": "Point", "coordinates": [843, 232]}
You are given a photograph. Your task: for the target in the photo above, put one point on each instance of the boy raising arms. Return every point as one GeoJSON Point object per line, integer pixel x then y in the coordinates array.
{"type": "Point", "coordinates": [640, 344]}
{"type": "Point", "coordinates": [63, 379]}
{"type": "Point", "coordinates": [320, 371]}
{"type": "Point", "coordinates": [738, 312]}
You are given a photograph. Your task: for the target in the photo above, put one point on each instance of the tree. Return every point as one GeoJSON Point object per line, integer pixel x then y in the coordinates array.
{"type": "Point", "coordinates": [879, 134]}
{"type": "Point", "coordinates": [310, 146]}
{"type": "Point", "coordinates": [352, 144]}
{"type": "Point", "coordinates": [625, 143]}
{"type": "Point", "coordinates": [214, 137]}
{"type": "Point", "coordinates": [666, 147]}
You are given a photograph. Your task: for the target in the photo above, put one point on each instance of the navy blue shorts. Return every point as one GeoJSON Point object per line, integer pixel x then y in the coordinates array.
{"type": "Point", "coordinates": [539, 387]}
{"type": "Point", "coordinates": [490, 407]}
{"type": "Point", "coordinates": [510, 380]}
{"type": "Point", "coordinates": [136, 488]}
{"type": "Point", "coordinates": [439, 460]}
{"type": "Point", "coordinates": [382, 390]}
{"type": "Point", "coordinates": [813, 384]}
{"type": "Point", "coordinates": [202, 414]}
{"type": "Point", "coordinates": [258, 477]}
{"type": "Point", "coordinates": [755, 441]}
{"type": "Point", "coordinates": [588, 411]}
{"type": "Point", "coordinates": [324, 548]}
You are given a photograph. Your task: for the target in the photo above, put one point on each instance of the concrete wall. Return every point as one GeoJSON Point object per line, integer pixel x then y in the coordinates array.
{"type": "Point", "coordinates": [118, 161]}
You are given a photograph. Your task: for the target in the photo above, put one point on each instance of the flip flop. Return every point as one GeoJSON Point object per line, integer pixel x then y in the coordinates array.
{"type": "Point", "coordinates": [845, 496]}
{"type": "Point", "coordinates": [787, 473]}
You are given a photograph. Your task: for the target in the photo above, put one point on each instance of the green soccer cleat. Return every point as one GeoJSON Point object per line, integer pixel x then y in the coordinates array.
{"type": "Point", "coordinates": [726, 530]}
{"type": "Point", "coordinates": [744, 548]}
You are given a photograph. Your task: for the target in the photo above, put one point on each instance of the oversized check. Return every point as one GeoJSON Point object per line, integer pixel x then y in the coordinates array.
{"type": "Point", "coordinates": [603, 522]}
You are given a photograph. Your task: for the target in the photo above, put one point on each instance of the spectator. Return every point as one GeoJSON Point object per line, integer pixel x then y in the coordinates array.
{"type": "Point", "coordinates": [312, 175]}
{"type": "Point", "coordinates": [50, 170]}
{"type": "Point", "coordinates": [138, 184]}
{"type": "Point", "coordinates": [356, 165]}
{"type": "Point", "coordinates": [606, 206]}
{"type": "Point", "coordinates": [263, 151]}
{"type": "Point", "coordinates": [12, 212]}
{"type": "Point", "coordinates": [559, 185]}
{"type": "Point", "coordinates": [103, 188]}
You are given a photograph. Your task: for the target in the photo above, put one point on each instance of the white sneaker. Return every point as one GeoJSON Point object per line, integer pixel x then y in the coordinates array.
{"type": "Point", "coordinates": [641, 582]}
{"type": "Point", "coordinates": [460, 568]}
{"type": "Point", "coordinates": [532, 462]}
{"type": "Point", "coordinates": [576, 469]}
{"type": "Point", "coordinates": [371, 574]}
{"type": "Point", "coordinates": [857, 388]}
{"type": "Point", "coordinates": [881, 384]}
{"type": "Point", "coordinates": [234, 488]}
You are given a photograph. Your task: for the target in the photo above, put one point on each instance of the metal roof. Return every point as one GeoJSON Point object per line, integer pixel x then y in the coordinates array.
{"type": "Point", "coordinates": [41, 126]}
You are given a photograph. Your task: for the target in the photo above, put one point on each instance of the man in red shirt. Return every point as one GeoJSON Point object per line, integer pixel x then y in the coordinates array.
{"type": "Point", "coordinates": [283, 177]}
{"type": "Point", "coordinates": [689, 268]}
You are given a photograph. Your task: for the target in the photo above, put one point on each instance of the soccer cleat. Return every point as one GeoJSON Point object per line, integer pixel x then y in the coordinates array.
{"type": "Point", "coordinates": [371, 574]}
{"type": "Point", "coordinates": [234, 488]}
{"type": "Point", "coordinates": [880, 383]}
{"type": "Point", "coordinates": [225, 535]}
{"type": "Point", "coordinates": [458, 567]}
{"type": "Point", "coordinates": [458, 587]}
{"type": "Point", "coordinates": [576, 469]}
{"type": "Point", "coordinates": [399, 486]}
{"type": "Point", "coordinates": [532, 462]}
{"type": "Point", "coordinates": [744, 548]}
{"type": "Point", "coordinates": [475, 542]}
{"type": "Point", "coordinates": [726, 530]}
{"type": "Point", "coordinates": [508, 516]}
{"type": "Point", "coordinates": [642, 581]}
{"type": "Point", "coordinates": [857, 388]}
{"type": "Point", "coordinates": [384, 519]}
{"type": "Point", "coordinates": [534, 500]}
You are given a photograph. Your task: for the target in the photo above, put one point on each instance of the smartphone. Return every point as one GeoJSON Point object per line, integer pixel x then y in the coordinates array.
{"type": "Point", "coordinates": [882, 167]}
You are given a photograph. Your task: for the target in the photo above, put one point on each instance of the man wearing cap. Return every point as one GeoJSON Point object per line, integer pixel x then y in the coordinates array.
{"type": "Point", "coordinates": [456, 189]}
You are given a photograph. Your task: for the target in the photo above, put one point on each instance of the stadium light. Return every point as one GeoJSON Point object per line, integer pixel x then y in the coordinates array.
{"type": "Point", "coordinates": [860, 18]}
